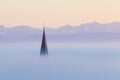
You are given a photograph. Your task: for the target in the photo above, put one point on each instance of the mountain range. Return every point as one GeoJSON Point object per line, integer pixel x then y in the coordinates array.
{"type": "Point", "coordinates": [83, 33]}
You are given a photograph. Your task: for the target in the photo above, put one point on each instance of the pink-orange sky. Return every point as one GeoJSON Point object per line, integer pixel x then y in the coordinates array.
{"type": "Point", "coordinates": [56, 13]}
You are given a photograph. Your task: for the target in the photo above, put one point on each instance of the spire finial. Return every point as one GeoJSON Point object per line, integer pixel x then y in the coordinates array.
{"type": "Point", "coordinates": [43, 26]}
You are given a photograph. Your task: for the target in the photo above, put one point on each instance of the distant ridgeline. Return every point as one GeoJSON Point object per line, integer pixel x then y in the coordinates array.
{"type": "Point", "coordinates": [85, 32]}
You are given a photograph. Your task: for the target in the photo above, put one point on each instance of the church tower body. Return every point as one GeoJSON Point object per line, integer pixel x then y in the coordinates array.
{"type": "Point", "coordinates": [44, 49]}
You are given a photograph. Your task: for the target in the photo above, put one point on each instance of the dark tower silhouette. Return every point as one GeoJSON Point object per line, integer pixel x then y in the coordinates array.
{"type": "Point", "coordinates": [44, 49]}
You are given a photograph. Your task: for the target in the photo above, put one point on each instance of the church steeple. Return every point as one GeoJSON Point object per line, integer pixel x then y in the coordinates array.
{"type": "Point", "coordinates": [44, 49]}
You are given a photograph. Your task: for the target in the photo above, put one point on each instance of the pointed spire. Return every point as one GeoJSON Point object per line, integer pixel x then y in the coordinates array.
{"type": "Point", "coordinates": [44, 49]}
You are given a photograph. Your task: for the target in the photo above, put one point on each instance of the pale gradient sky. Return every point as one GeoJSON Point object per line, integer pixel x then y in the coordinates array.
{"type": "Point", "coordinates": [56, 13]}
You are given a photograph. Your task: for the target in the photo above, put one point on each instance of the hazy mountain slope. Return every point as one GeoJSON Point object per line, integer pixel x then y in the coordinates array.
{"type": "Point", "coordinates": [85, 32]}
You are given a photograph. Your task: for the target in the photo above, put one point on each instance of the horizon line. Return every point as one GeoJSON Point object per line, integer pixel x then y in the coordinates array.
{"type": "Point", "coordinates": [40, 27]}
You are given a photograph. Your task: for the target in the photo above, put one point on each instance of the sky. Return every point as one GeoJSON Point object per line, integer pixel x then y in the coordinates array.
{"type": "Point", "coordinates": [56, 13]}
